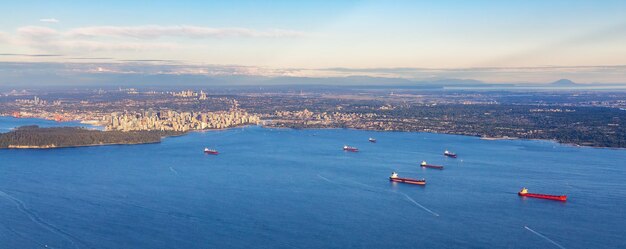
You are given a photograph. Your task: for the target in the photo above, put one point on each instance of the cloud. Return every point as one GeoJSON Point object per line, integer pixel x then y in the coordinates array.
{"type": "Point", "coordinates": [37, 33]}
{"type": "Point", "coordinates": [148, 60]}
{"type": "Point", "coordinates": [32, 55]}
{"type": "Point", "coordinates": [583, 73]}
{"type": "Point", "coordinates": [90, 58]}
{"type": "Point", "coordinates": [126, 38]}
{"type": "Point", "coordinates": [90, 46]}
{"type": "Point", "coordinates": [51, 40]}
{"type": "Point", "coordinates": [155, 31]}
{"type": "Point", "coordinates": [152, 32]}
{"type": "Point", "coordinates": [4, 37]}
{"type": "Point", "coordinates": [49, 20]}
{"type": "Point", "coordinates": [146, 70]}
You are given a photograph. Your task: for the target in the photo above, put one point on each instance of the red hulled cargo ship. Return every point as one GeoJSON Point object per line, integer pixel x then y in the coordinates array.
{"type": "Point", "coordinates": [210, 152]}
{"type": "Point", "coordinates": [351, 149]}
{"type": "Point", "coordinates": [394, 178]}
{"type": "Point", "coordinates": [449, 154]}
{"type": "Point", "coordinates": [426, 165]}
{"type": "Point", "coordinates": [524, 192]}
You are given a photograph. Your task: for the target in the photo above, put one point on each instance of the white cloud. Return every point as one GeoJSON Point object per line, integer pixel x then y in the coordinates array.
{"type": "Point", "coordinates": [49, 20]}
{"type": "Point", "coordinates": [155, 31]}
{"type": "Point", "coordinates": [73, 46]}
{"type": "Point", "coordinates": [124, 38]}
{"type": "Point", "coordinates": [4, 37]}
{"type": "Point", "coordinates": [150, 32]}
{"type": "Point", "coordinates": [45, 39]}
{"type": "Point", "coordinates": [102, 38]}
{"type": "Point", "coordinates": [37, 32]}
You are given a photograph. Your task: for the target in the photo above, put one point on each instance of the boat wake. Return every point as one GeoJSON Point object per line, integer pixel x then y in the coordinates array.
{"type": "Point", "coordinates": [351, 184]}
{"type": "Point", "coordinates": [37, 220]}
{"type": "Point", "coordinates": [364, 185]}
{"type": "Point", "coordinates": [32, 240]}
{"type": "Point", "coordinates": [373, 189]}
{"type": "Point", "coordinates": [324, 178]}
{"type": "Point", "coordinates": [173, 170]}
{"type": "Point", "coordinates": [419, 205]}
{"type": "Point", "coordinates": [405, 172]}
{"type": "Point", "coordinates": [544, 237]}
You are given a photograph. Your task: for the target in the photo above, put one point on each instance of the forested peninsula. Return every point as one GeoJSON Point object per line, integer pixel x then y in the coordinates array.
{"type": "Point", "coordinates": [35, 137]}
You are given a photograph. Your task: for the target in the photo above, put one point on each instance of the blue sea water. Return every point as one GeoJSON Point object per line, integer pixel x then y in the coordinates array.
{"type": "Point", "coordinates": [283, 188]}
{"type": "Point", "coordinates": [8, 123]}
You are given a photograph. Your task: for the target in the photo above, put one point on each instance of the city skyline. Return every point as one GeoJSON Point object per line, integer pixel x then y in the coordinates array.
{"type": "Point", "coordinates": [494, 42]}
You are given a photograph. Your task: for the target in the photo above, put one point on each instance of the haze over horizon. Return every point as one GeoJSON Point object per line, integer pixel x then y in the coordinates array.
{"type": "Point", "coordinates": [493, 42]}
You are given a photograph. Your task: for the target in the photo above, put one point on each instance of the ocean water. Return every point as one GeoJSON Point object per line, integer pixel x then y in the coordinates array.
{"type": "Point", "coordinates": [283, 188]}
{"type": "Point", "coordinates": [8, 123]}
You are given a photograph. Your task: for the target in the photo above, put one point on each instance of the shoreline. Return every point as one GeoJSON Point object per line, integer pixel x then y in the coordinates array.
{"type": "Point", "coordinates": [17, 147]}
{"type": "Point", "coordinates": [464, 135]}
{"type": "Point", "coordinates": [48, 147]}
{"type": "Point", "coordinates": [265, 126]}
{"type": "Point", "coordinates": [499, 138]}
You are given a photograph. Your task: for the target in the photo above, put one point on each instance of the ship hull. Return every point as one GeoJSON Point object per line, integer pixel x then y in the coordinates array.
{"type": "Point", "coordinates": [351, 150]}
{"type": "Point", "coordinates": [450, 155]}
{"type": "Point", "coordinates": [547, 197]}
{"type": "Point", "coordinates": [211, 152]}
{"type": "Point", "coordinates": [432, 166]}
{"type": "Point", "coordinates": [408, 180]}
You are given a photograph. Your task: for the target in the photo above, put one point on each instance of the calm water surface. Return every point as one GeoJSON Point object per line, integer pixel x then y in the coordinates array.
{"type": "Point", "coordinates": [281, 188]}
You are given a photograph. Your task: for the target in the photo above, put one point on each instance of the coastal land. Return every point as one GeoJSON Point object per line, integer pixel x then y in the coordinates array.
{"type": "Point", "coordinates": [35, 137]}
{"type": "Point", "coordinates": [584, 118]}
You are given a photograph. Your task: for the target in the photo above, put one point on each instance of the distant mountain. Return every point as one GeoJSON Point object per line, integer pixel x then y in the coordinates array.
{"type": "Point", "coordinates": [455, 82]}
{"type": "Point", "coordinates": [338, 81]}
{"type": "Point", "coordinates": [563, 82]}
{"type": "Point", "coordinates": [49, 78]}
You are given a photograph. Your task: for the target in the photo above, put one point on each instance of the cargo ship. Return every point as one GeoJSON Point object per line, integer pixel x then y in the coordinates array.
{"type": "Point", "coordinates": [449, 154]}
{"type": "Point", "coordinates": [394, 178]}
{"type": "Point", "coordinates": [210, 152]}
{"type": "Point", "coordinates": [351, 149]}
{"type": "Point", "coordinates": [524, 192]}
{"type": "Point", "coordinates": [373, 140]}
{"type": "Point", "coordinates": [426, 165]}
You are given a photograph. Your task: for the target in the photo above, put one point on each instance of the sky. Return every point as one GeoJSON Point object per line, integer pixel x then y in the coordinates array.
{"type": "Point", "coordinates": [491, 41]}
